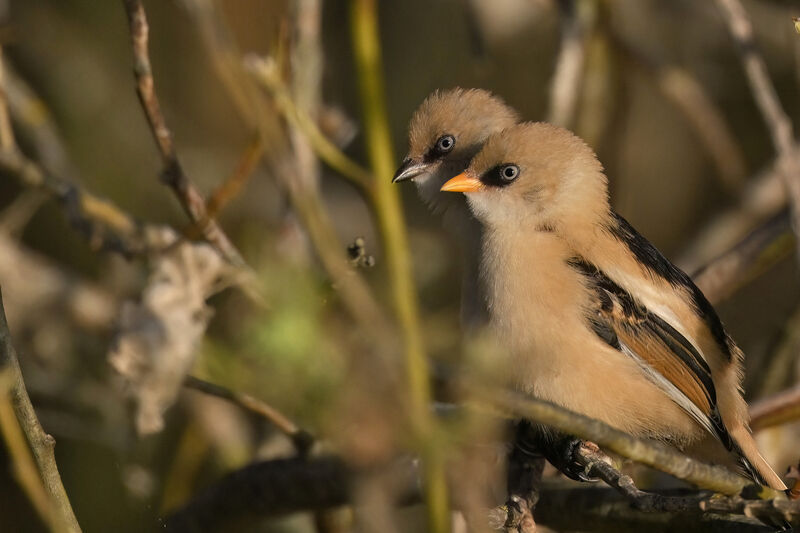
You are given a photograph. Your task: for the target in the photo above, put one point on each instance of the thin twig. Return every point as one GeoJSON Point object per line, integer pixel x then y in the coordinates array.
{"type": "Point", "coordinates": [173, 175]}
{"type": "Point", "coordinates": [683, 90]}
{"type": "Point", "coordinates": [598, 465]}
{"type": "Point", "coordinates": [568, 74]}
{"type": "Point", "coordinates": [777, 121]}
{"type": "Point", "coordinates": [16, 216]}
{"type": "Point", "coordinates": [760, 250]}
{"type": "Point", "coordinates": [104, 224]}
{"type": "Point", "coordinates": [232, 186]}
{"type": "Point", "coordinates": [775, 410]}
{"type": "Point", "coordinates": [42, 444]}
{"type": "Point", "coordinates": [523, 483]}
{"type": "Point", "coordinates": [367, 51]}
{"type": "Point", "coordinates": [34, 124]}
{"type": "Point", "coordinates": [7, 141]}
{"type": "Point", "coordinates": [302, 439]}
{"type": "Point", "coordinates": [763, 197]}
{"type": "Point", "coordinates": [775, 373]}
{"type": "Point", "coordinates": [355, 294]}
{"type": "Point", "coordinates": [266, 73]}
{"type": "Point", "coordinates": [782, 508]}
{"type": "Point", "coordinates": [598, 101]}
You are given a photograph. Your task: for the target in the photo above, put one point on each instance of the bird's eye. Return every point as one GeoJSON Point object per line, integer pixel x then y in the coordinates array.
{"type": "Point", "coordinates": [509, 172]}
{"type": "Point", "coordinates": [445, 144]}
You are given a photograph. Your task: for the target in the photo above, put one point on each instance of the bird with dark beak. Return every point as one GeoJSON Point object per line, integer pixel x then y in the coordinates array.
{"type": "Point", "coordinates": [594, 318]}
{"type": "Point", "coordinates": [445, 132]}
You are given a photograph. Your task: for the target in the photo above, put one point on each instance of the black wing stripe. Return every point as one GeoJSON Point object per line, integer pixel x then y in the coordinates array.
{"type": "Point", "coordinates": [608, 292]}
{"type": "Point", "coordinates": [659, 265]}
{"type": "Point", "coordinates": [681, 347]}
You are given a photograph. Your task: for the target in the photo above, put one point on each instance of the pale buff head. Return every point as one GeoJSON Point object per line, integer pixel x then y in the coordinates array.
{"type": "Point", "coordinates": [445, 132]}
{"type": "Point", "coordinates": [538, 173]}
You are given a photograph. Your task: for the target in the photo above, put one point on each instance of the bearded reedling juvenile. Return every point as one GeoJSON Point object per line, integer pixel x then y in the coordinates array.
{"type": "Point", "coordinates": [445, 132]}
{"type": "Point", "coordinates": [595, 318]}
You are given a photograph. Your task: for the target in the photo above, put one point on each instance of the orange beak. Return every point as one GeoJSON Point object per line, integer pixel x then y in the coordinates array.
{"type": "Point", "coordinates": [462, 183]}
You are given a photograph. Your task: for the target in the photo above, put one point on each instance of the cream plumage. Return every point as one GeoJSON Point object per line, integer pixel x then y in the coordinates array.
{"type": "Point", "coordinates": [446, 131]}
{"type": "Point", "coordinates": [596, 319]}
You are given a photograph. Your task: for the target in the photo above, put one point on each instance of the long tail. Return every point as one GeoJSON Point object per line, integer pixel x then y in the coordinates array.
{"type": "Point", "coordinates": [754, 463]}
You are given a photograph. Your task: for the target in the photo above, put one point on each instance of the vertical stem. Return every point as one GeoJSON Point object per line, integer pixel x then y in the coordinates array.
{"type": "Point", "coordinates": [42, 444]}
{"type": "Point", "coordinates": [366, 44]}
{"type": "Point", "coordinates": [25, 470]}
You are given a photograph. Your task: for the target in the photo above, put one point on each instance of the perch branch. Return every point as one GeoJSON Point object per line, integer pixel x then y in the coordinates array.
{"type": "Point", "coordinates": [650, 453]}
{"type": "Point", "coordinates": [597, 465]}
{"type": "Point", "coordinates": [173, 175]}
{"type": "Point", "coordinates": [284, 486]}
{"type": "Point", "coordinates": [524, 481]}
{"type": "Point", "coordinates": [776, 119]}
{"type": "Point", "coordinates": [42, 445]}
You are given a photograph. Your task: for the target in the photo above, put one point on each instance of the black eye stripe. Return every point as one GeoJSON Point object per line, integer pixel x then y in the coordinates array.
{"type": "Point", "coordinates": [443, 146]}
{"type": "Point", "coordinates": [501, 175]}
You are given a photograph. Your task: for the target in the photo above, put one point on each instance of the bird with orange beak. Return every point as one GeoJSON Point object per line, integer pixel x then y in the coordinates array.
{"type": "Point", "coordinates": [445, 132]}
{"type": "Point", "coordinates": [594, 317]}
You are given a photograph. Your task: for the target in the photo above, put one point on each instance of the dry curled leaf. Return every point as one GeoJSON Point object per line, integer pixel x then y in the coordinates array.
{"type": "Point", "coordinates": [158, 337]}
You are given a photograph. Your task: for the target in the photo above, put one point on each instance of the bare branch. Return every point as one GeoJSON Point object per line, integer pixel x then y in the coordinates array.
{"type": "Point", "coordinates": [25, 469]}
{"type": "Point", "coordinates": [266, 74]}
{"type": "Point", "coordinates": [653, 454]}
{"type": "Point", "coordinates": [7, 141]}
{"type": "Point", "coordinates": [762, 197]}
{"type": "Point", "coordinates": [173, 175]}
{"type": "Point", "coordinates": [302, 439]}
{"type": "Point", "coordinates": [307, 202]}
{"type": "Point", "coordinates": [778, 122]}
{"type": "Point", "coordinates": [233, 185]}
{"type": "Point", "coordinates": [283, 486]}
{"type": "Point", "coordinates": [598, 464]}
{"type": "Point", "coordinates": [104, 224]}
{"type": "Point", "coordinates": [778, 409]}
{"type": "Point", "coordinates": [566, 83]}
{"type": "Point", "coordinates": [41, 443]}
{"type": "Point", "coordinates": [760, 250]}
{"type": "Point", "coordinates": [691, 99]}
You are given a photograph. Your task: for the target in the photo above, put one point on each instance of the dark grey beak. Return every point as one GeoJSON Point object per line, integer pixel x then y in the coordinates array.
{"type": "Point", "coordinates": [410, 169]}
